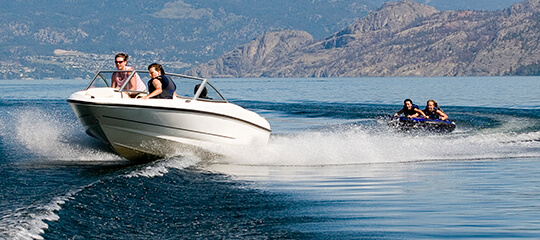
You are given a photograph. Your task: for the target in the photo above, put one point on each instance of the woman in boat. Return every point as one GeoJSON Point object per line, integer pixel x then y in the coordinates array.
{"type": "Point", "coordinates": [159, 86]}
{"type": "Point", "coordinates": [410, 110]}
{"type": "Point", "coordinates": [433, 111]}
{"type": "Point", "coordinates": [118, 78]}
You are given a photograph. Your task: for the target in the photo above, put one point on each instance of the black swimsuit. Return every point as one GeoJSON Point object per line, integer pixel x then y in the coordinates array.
{"type": "Point", "coordinates": [167, 85]}
{"type": "Point", "coordinates": [408, 112]}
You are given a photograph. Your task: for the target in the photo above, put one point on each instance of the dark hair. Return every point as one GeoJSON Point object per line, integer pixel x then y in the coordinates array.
{"type": "Point", "coordinates": [204, 92]}
{"type": "Point", "coordinates": [407, 100]}
{"type": "Point", "coordinates": [157, 67]}
{"type": "Point", "coordinates": [122, 55]}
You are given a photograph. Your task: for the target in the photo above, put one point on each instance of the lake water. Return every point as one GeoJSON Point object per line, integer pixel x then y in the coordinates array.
{"type": "Point", "coordinates": [333, 169]}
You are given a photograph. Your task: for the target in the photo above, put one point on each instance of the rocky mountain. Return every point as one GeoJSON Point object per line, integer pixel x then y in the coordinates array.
{"type": "Point", "coordinates": [400, 39]}
{"type": "Point", "coordinates": [74, 38]}
{"type": "Point", "coordinates": [490, 5]}
{"type": "Point", "coordinates": [249, 60]}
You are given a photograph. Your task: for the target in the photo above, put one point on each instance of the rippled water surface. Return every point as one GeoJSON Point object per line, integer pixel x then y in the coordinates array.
{"type": "Point", "coordinates": [333, 168]}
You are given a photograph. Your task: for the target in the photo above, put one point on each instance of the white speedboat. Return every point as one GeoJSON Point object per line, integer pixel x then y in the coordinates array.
{"type": "Point", "coordinates": [140, 130]}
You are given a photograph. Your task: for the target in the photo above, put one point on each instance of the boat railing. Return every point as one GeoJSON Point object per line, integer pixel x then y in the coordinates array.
{"type": "Point", "coordinates": [188, 87]}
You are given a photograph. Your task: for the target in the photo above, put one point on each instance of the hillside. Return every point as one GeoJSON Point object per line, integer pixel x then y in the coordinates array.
{"type": "Point", "coordinates": [399, 39]}
{"type": "Point", "coordinates": [69, 39]}
{"type": "Point", "coordinates": [74, 38]}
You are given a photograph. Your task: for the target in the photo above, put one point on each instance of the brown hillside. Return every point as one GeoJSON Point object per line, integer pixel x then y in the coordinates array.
{"type": "Point", "coordinates": [399, 39]}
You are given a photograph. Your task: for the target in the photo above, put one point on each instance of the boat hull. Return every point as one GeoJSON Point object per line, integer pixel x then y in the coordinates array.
{"type": "Point", "coordinates": [148, 129]}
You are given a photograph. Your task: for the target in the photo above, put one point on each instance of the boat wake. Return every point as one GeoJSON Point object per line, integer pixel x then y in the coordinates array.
{"type": "Point", "coordinates": [161, 167]}
{"type": "Point", "coordinates": [360, 145]}
{"type": "Point", "coordinates": [29, 222]}
{"type": "Point", "coordinates": [32, 220]}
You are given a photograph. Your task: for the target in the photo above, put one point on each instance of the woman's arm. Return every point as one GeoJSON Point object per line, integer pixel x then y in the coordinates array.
{"type": "Point", "coordinates": [442, 115]}
{"type": "Point", "coordinates": [157, 85]}
{"type": "Point", "coordinates": [413, 116]}
{"type": "Point", "coordinates": [418, 111]}
{"type": "Point", "coordinates": [133, 82]}
{"type": "Point", "coordinates": [113, 82]}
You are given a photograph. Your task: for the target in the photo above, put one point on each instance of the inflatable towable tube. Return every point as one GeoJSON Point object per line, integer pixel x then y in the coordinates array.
{"type": "Point", "coordinates": [422, 124]}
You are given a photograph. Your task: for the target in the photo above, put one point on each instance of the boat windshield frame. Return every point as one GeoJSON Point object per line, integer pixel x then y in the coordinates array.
{"type": "Point", "coordinates": [204, 83]}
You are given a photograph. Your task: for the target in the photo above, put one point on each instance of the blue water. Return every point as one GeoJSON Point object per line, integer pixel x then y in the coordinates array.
{"type": "Point", "coordinates": [333, 169]}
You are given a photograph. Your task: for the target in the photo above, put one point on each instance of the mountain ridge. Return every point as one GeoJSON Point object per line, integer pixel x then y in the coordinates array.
{"type": "Point", "coordinates": [409, 39]}
{"type": "Point", "coordinates": [75, 38]}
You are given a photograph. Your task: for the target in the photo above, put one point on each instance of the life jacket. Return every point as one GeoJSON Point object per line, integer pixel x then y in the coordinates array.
{"type": "Point", "coordinates": [167, 86]}
{"type": "Point", "coordinates": [410, 112]}
{"type": "Point", "coordinates": [433, 114]}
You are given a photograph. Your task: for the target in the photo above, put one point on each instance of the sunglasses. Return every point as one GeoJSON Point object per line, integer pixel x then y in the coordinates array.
{"type": "Point", "coordinates": [119, 61]}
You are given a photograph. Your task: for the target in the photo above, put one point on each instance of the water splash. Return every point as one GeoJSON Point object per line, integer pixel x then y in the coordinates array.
{"type": "Point", "coordinates": [161, 167]}
{"type": "Point", "coordinates": [48, 135]}
{"type": "Point", "coordinates": [362, 145]}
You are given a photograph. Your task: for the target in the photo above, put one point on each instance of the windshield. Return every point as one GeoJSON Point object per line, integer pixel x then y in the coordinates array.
{"type": "Point", "coordinates": [186, 86]}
